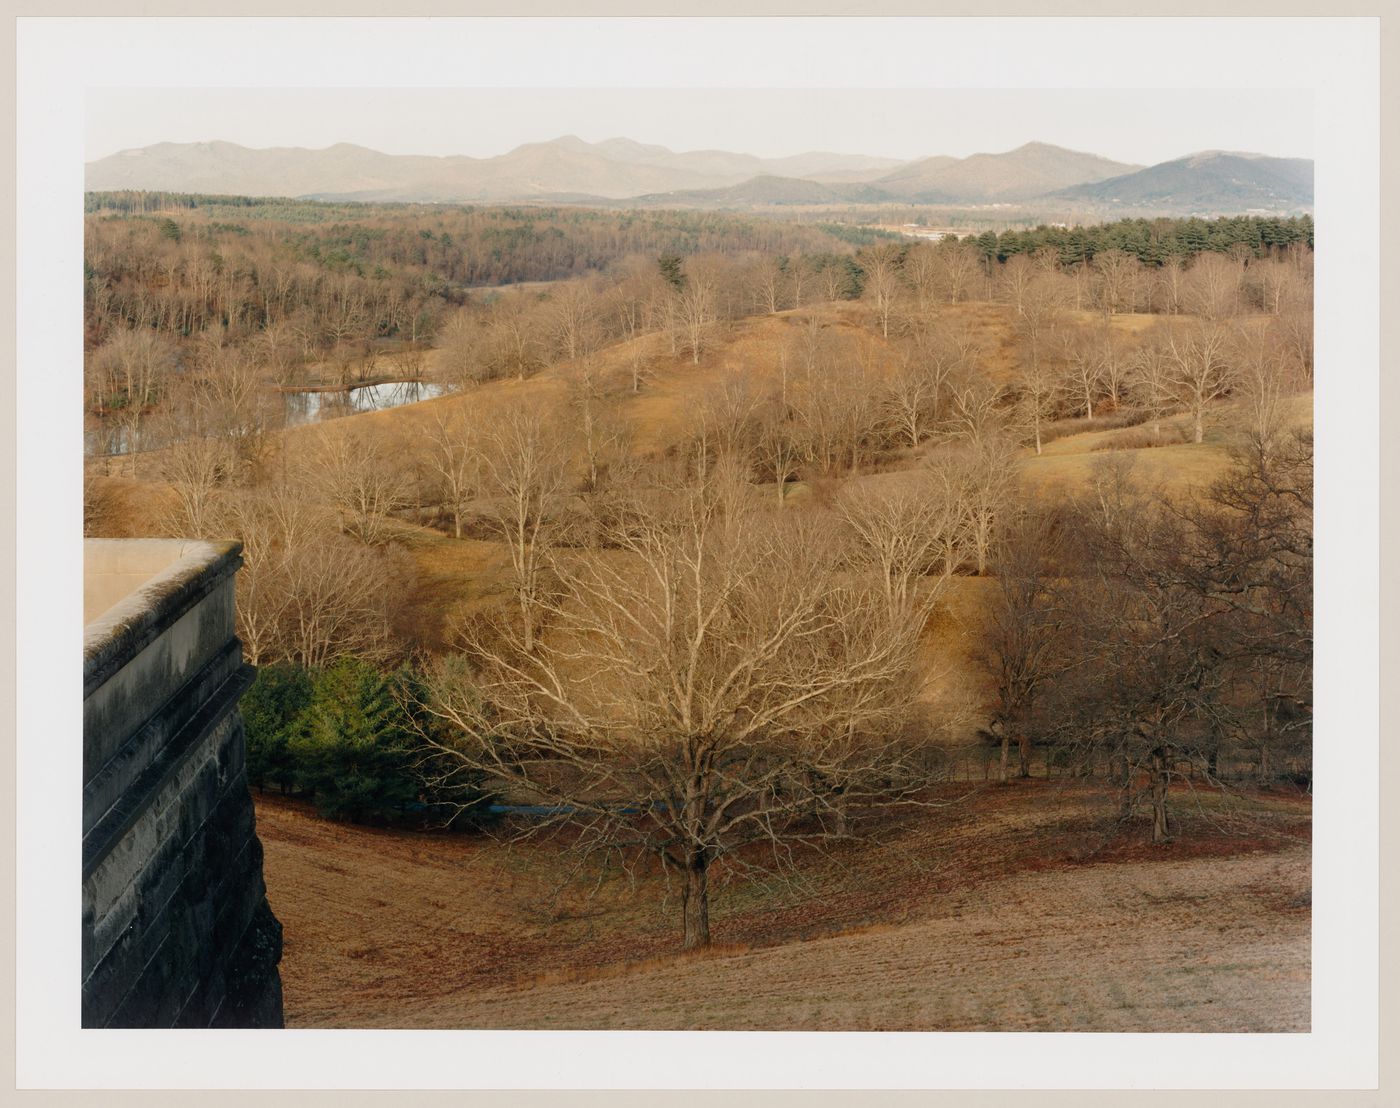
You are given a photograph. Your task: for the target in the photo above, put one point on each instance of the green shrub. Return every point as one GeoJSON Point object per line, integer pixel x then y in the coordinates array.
{"type": "Point", "coordinates": [349, 737]}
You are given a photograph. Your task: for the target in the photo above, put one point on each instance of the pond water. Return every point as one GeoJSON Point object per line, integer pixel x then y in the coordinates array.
{"type": "Point", "coordinates": [308, 407]}
{"type": "Point", "coordinates": [298, 408]}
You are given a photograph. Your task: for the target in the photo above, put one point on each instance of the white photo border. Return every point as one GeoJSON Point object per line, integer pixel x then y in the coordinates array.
{"type": "Point", "coordinates": [61, 60]}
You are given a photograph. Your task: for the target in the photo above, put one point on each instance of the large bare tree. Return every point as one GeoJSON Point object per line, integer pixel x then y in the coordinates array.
{"type": "Point", "coordinates": [723, 689]}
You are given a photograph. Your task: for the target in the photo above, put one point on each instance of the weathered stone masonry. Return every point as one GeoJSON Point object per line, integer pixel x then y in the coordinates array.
{"type": "Point", "coordinates": [177, 931]}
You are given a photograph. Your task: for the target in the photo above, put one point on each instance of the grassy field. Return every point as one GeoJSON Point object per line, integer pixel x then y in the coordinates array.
{"type": "Point", "coordinates": [1016, 908]}
{"type": "Point", "coordinates": [457, 576]}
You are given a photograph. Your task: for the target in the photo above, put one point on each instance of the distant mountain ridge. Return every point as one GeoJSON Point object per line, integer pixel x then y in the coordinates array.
{"type": "Point", "coordinates": [1028, 171]}
{"type": "Point", "coordinates": [569, 169]}
{"type": "Point", "coordinates": [1206, 180]}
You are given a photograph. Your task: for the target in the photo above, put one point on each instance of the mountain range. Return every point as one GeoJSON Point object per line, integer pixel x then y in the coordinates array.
{"type": "Point", "coordinates": [570, 170]}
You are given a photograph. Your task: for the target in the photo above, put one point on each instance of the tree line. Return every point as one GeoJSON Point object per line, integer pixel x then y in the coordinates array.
{"type": "Point", "coordinates": [1154, 241]}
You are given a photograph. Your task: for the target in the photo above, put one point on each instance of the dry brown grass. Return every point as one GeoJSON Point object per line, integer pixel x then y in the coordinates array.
{"type": "Point", "coordinates": [1019, 908]}
{"type": "Point", "coordinates": [458, 576]}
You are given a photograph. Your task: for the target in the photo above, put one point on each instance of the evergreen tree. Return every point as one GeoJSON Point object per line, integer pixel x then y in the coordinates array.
{"type": "Point", "coordinates": [453, 795]}
{"type": "Point", "coordinates": [271, 709]}
{"type": "Point", "coordinates": [670, 265]}
{"type": "Point", "coordinates": [353, 750]}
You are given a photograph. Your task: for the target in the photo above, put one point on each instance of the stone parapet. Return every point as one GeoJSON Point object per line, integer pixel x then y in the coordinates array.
{"type": "Point", "coordinates": [177, 931]}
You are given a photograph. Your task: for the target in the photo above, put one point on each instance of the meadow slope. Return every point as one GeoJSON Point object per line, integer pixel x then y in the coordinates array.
{"type": "Point", "coordinates": [1020, 908]}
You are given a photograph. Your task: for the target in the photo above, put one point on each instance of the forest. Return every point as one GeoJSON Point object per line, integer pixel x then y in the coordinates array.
{"type": "Point", "coordinates": [730, 540]}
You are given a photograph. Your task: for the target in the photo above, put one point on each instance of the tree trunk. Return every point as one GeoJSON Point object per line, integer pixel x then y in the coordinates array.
{"type": "Point", "coordinates": [1120, 770]}
{"type": "Point", "coordinates": [1023, 741]}
{"type": "Point", "coordinates": [1005, 756]}
{"type": "Point", "coordinates": [1160, 826]}
{"type": "Point", "coordinates": [696, 901]}
{"type": "Point", "coordinates": [1200, 430]}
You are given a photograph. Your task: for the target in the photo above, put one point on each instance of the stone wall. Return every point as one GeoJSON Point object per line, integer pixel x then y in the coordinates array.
{"type": "Point", "coordinates": [177, 931]}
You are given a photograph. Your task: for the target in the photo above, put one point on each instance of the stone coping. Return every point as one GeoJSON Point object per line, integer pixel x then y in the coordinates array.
{"type": "Point", "coordinates": [182, 572]}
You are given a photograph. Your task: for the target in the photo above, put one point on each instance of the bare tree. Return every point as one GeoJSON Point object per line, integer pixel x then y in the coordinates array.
{"type": "Point", "coordinates": [305, 592]}
{"type": "Point", "coordinates": [602, 432]}
{"type": "Point", "coordinates": [1198, 370]}
{"type": "Point", "coordinates": [976, 408]}
{"type": "Point", "coordinates": [514, 347]}
{"type": "Point", "coordinates": [276, 347]}
{"type": "Point", "coordinates": [769, 276]}
{"type": "Point", "coordinates": [835, 279]}
{"type": "Point", "coordinates": [573, 320]}
{"type": "Point", "coordinates": [724, 420]}
{"type": "Point", "coordinates": [697, 312]}
{"type": "Point", "coordinates": [1080, 355]}
{"type": "Point", "coordinates": [800, 277]}
{"type": "Point", "coordinates": [881, 265]}
{"type": "Point", "coordinates": [124, 379]}
{"type": "Point", "coordinates": [357, 473]}
{"type": "Point", "coordinates": [453, 451]}
{"type": "Point", "coordinates": [1115, 361]}
{"type": "Point", "coordinates": [961, 264]}
{"type": "Point", "coordinates": [839, 407]}
{"type": "Point", "coordinates": [1150, 379]}
{"type": "Point", "coordinates": [1212, 286]}
{"type": "Point", "coordinates": [525, 459]}
{"type": "Point", "coordinates": [242, 411]}
{"type": "Point", "coordinates": [983, 475]}
{"type": "Point", "coordinates": [1022, 637]}
{"type": "Point", "coordinates": [1295, 333]}
{"type": "Point", "coordinates": [730, 684]}
{"type": "Point", "coordinates": [1116, 274]}
{"type": "Point", "coordinates": [196, 468]}
{"type": "Point", "coordinates": [463, 343]}
{"type": "Point", "coordinates": [924, 274]}
{"type": "Point", "coordinates": [917, 391]}
{"type": "Point", "coordinates": [1181, 608]}
{"type": "Point", "coordinates": [1039, 387]}
{"type": "Point", "coordinates": [911, 396]}
{"type": "Point", "coordinates": [1017, 273]}
{"type": "Point", "coordinates": [197, 463]}
{"type": "Point", "coordinates": [1169, 288]}
{"type": "Point", "coordinates": [908, 532]}
{"type": "Point", "coordinates": [1262, 380]}
{"type": "Point", "coordinates": [781, 443]}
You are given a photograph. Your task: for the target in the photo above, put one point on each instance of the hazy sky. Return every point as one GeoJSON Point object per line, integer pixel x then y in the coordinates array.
{"type": "Point", "coordinates": [1133, 125]}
